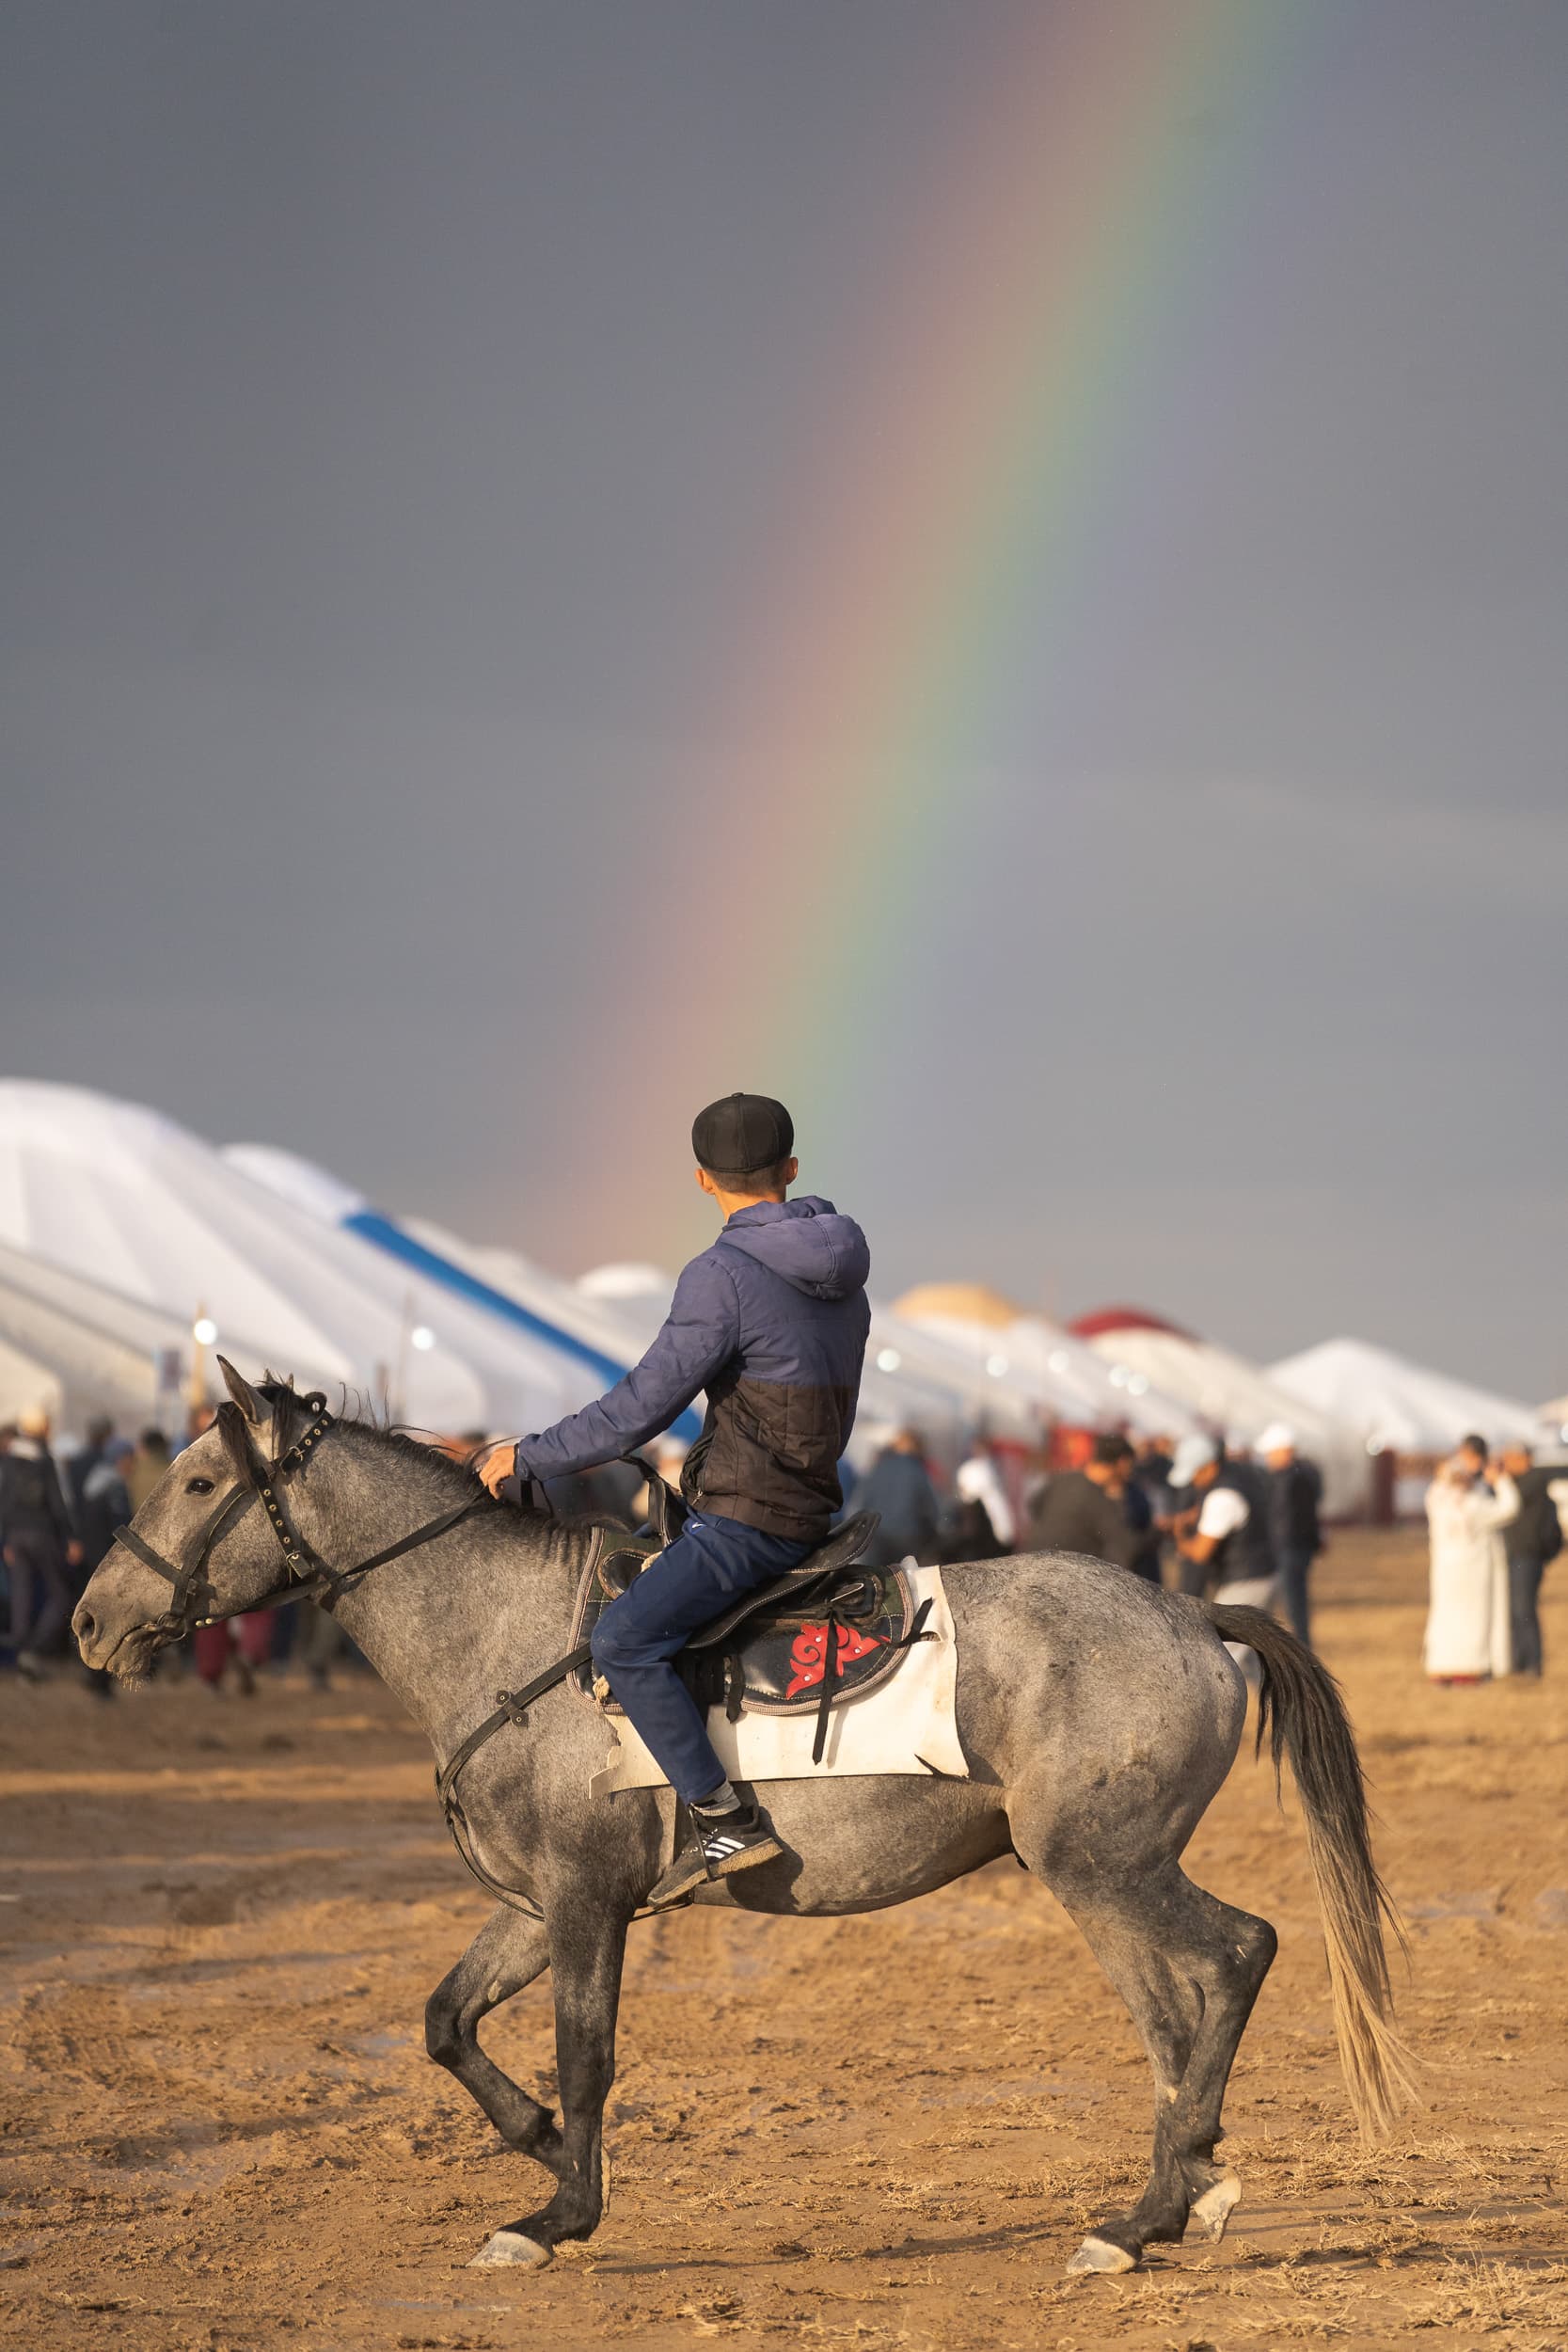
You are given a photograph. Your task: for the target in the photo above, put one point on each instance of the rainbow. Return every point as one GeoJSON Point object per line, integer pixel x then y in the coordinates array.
{"type": "Point", "coordinates": [979, 464]}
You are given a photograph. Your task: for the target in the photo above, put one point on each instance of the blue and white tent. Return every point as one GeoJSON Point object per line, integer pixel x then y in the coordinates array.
{"type": "Point", "coordinates": [127, 1200]}
{"type": "Point", "coordinates": [458, 1283]}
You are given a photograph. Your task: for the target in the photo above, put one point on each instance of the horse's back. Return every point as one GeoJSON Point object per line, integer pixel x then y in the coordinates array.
{"type": "Point", "coordinates": [1073, 1667]}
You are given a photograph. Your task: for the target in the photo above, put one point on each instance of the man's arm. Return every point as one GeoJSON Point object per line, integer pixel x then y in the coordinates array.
{"type": "Point", "coordinates": [698, 1338]}
{"type": "Point", "coordinates": [1221, 1512]}
{"type": "Point", "coordinates": [1496, 1509]}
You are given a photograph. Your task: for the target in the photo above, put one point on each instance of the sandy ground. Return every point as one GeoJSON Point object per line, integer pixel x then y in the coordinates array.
{"type": "Point", "coordinates": [220, 2133]}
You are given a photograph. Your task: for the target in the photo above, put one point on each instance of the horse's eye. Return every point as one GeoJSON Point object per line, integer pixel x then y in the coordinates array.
{"type": "Point", "coordinates": [198, 1486]}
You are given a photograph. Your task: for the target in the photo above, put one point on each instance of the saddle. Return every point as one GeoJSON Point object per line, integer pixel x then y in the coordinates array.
{"type": "Point", "coordinates": [771, 1653]}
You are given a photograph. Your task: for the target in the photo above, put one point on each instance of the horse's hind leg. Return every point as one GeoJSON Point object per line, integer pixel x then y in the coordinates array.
{"type": "Point", "coordinates": [1226, 1953]}
{"type": "Point", "coordinates": [507, 1954]}
{"type": "Point", "coordinates": [1189, 1969]}
{"type": "Point", "coordinates": [587, 1946]}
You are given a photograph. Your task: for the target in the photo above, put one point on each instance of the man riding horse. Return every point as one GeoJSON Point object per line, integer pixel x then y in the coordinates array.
{"type": "Point", "coordinates": [772, 1321]}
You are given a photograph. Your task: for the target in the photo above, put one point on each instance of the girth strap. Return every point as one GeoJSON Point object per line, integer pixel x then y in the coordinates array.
{"type": "Point", "coordinates": [511, 1708]}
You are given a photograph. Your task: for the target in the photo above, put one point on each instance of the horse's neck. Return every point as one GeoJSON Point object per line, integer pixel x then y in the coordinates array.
{"type": "Point", "coordinates": [446, 1626]}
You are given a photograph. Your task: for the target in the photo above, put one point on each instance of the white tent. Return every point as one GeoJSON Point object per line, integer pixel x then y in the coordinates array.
{"type": "Point", "coordinates": [998, 1400]}
{"type": "Point", "coordinates": [127, 1200]}
{"type": "Point", "coordinates": [539, 1314]}
{"type": "Point", "coordinates": [1393, 1403]}
{"type": "Point", "coordinates": [1064, 1380]}
{"type": "Point", "coordinates": [78, 1349]}
{"type": "Point", "coordinates": [1229, 1396]}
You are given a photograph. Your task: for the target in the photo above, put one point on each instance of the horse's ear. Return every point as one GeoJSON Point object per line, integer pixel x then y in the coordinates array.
{"type": "Point", "coordinates": [254, 1410]}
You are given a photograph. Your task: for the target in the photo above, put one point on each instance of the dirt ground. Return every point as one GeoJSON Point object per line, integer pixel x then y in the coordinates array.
{"type": "Point", "coordinates": [220, 2133]}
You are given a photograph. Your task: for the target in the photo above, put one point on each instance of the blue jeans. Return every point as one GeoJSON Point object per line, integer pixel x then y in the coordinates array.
{"type": "Point", "coordinates": [711, 1563]}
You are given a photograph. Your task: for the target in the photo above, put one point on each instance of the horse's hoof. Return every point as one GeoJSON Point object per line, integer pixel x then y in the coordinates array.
{"type": "Point", "coordinates": [1213, 2209]}
{"type": "Point", "coordinates": [1097, 2253]}
{"type": "Point", "coordinates": [509, 2248]}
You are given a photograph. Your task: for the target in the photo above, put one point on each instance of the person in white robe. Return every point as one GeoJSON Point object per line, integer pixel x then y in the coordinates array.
{"type": "Point", "coordinates": [1466, 1630]}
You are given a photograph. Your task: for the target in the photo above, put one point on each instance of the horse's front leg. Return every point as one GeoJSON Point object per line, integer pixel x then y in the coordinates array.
{"type": "Point", "coordinates": [588, 1943]}
{"type": "Point", "coordinates": [507, 1954]}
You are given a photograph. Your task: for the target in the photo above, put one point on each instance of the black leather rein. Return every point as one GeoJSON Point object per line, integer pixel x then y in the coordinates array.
{"type": "Point", "coordinates": [306, 1576]}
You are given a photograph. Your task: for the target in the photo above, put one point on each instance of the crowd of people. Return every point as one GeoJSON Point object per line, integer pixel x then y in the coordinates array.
{"type": "Point", "coordinates": [58, 1523]}
{"type": "Point", "coordinates": [1203, 1516]}
{"type": "Point", "coordinates": [1493, 1529]}
{"type": "Point", "coordinates": [1233, 1522]}
{"type": "Point", "coordinates": [1243, 1523]}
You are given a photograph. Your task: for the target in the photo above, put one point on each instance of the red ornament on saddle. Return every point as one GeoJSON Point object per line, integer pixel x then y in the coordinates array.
{"type": "Point", "coordinates": [808, 1655]}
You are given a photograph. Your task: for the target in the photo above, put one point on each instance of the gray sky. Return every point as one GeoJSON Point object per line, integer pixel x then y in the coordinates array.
{"type": "Point", "coordinates": [405, 408]}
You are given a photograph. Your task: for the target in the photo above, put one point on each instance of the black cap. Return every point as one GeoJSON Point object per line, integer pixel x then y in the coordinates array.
{"type": "Point", "coordinates": [742, 1131]}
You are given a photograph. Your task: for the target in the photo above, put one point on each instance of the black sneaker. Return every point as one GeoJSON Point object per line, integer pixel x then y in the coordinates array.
{"type": "Point", "coordinates": [719, 1844]}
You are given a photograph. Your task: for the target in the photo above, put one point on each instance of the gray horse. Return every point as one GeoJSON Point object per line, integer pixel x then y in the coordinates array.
{"type": "Point", "coordinates": [1098, 1716]}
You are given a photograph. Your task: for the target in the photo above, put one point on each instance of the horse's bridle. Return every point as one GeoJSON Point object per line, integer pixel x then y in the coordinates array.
{"type": "Point", "coordinates": [305, 1576]}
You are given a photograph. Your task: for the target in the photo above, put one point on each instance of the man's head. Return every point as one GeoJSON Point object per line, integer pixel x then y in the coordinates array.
{"type": "Point", "coordinates": [34, 1423]}
{"type": "Point", "coordinates": [744, 1145]}
{"type": "Point", "coordinates": [1278, 1445]}
{"type": "Point", "coordinates": [1197, 1464]}
{"type": "Point", "coordinates": [1110, 1463]}
{"type": "Point", "coordinates": [908, 1440]}
{"type": "Point", "coordinates": [1471, 1455]}
{"type": "Point", "coordinates": [1517, 1457]}
{"type": "Point", "coordinates": [100, 1430]}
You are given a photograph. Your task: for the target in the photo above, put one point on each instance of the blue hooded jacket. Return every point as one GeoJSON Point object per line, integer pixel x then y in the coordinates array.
{"type": "Point", "coordinates": [771, 1320]}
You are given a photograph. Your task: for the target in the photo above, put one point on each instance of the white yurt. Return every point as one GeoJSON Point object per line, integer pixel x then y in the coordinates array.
{"type": "Point", "coordinates": [1552, 1419]}
{"type": "Point", "coordinates": [485, 1299]}
{"type": "Point", "coordinates": [126, 1198]}
{"type": "Point", "coordinates": [1392, 1403]}
{"type": "Point", "coordinates": [1065, 1380]}
{"type": "Point", "coordinates": [78, 1350]}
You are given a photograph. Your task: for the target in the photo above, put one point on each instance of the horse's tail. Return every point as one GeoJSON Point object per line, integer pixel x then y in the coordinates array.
{"type": "Point", "coordinates": [1301, 1704]}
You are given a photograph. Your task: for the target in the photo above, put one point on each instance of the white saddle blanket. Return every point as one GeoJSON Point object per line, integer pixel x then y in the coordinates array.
{"type": "Point", "coordinates": [908, 1725]}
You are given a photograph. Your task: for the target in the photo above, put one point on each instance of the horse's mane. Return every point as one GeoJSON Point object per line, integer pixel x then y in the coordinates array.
{"type": "Point", "coordinates": [452, 1474]}
{"type": "Point", "coordinates": [450, 1471]}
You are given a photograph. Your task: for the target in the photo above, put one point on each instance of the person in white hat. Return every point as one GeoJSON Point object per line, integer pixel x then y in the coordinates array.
{"type": "Point", "coordinates": [1225, 1539]}
{"type": "Point", "coordinates": [1295, 1497]}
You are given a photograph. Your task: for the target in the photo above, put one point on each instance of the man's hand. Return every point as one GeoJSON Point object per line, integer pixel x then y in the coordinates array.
{"type": "Point", "coordinates": [496, 1466]}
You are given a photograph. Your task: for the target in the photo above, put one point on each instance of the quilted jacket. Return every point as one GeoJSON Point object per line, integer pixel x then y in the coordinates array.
{"type": "Point", "coordinates": [772, 1321]}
